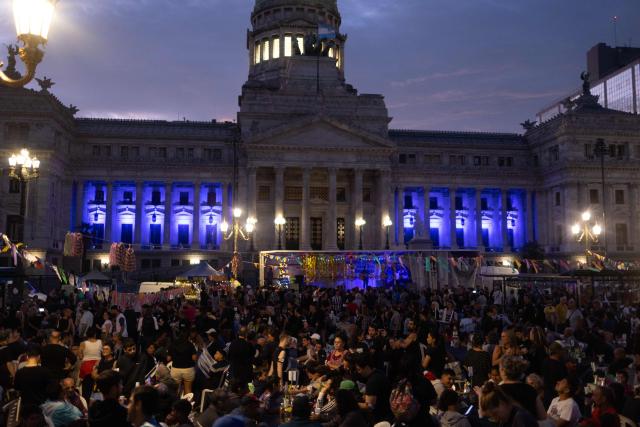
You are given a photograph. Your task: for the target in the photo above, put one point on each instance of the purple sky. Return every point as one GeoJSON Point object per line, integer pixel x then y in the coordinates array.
{"type": "Point", "coordinates": [442, 64]}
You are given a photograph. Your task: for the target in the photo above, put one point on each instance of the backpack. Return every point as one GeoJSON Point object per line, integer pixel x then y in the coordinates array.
{"type": "Point", "coordinates": [403, 403]}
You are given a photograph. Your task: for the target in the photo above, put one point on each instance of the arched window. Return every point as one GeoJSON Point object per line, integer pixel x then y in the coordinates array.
{"type": "Point", "coordinates": [300, 40]}
{"type": "Point", "coordinates": [288, 48]}
{"type": "Point", "coordinates": [265, 50]}
{"type": "Point", "coordinates": [276, 47]}
{"type": "Point", "coordinates": [256, 53]}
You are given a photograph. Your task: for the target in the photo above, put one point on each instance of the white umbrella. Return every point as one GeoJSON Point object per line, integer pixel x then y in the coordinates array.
{"type": "Point", "coordinates": [201, 270]}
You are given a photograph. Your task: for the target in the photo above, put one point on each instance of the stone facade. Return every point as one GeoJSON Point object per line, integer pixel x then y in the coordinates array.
{"type": "Point", "coordinates": [309, 147]}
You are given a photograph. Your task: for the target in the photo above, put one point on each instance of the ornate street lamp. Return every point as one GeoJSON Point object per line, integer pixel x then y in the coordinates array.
{"type": "Point", "coordinates": [280, 222]}
{"type": "Point", "coordinates": [387, 223]}
{"type": "Point", "coordinates": [586, 233]}
{"type": "Point", "coordinates": [32, 19]}
{"type": "Point", "coordinates": [235, 233]}
{"type": "Point", "coordinates": [360, 223]}
{"type": "Point", "coordinates": [251, 227]}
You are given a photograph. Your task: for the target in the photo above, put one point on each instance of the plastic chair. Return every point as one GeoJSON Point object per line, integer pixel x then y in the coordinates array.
{"type": "Point", "coordinates": [12, 413]}
{"type": "Point", "coordinates": [626, 422]}
{"type": "Point", "coordinates": [383, 424]}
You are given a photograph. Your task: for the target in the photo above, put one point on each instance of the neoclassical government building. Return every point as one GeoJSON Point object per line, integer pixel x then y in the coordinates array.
{"type": "Point", "coordinates": [309, 147]}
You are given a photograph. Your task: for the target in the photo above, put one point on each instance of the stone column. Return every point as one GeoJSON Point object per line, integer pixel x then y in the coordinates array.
{"type": "Point", "coordinates": [305, 229]}
{"type": "Point", "coordinates": [452, 218]}
{"type": "Point", "coordinates": [478, 212]}
{"type": "Point", "coordinates": [108, 217]}
{"type": "Point", "coordinates": [279, 203]}
{"type": "Point", "coordinates": [80, 206]}
{"type": "Point", "coordinates": [139, 213]}
{"type": "Point", "coordinates": [633, 215]}
{"type": "Point", "coordinates": [332, 226]}
{"type": "Point", "coordinates": [504, 221]}
{"type": "Point", "coordinates": [357, 208]}
{"type": "Point", "coordinates": [384, 208]}
{"type": "Point", "coordinates": [168, 208]}
{"type": "Point", "coordinates": [195, 240]}
{"type": "Point", "coordinates": [426, 212]}
{"type": "Point", "coordinates": [251, 192]}
{"type": "Point", "coordinates": [399, 223]}
{"type": "Point", "coordinates": [224, 216]}
{"type": "Point", "coordinates": [530, 220]}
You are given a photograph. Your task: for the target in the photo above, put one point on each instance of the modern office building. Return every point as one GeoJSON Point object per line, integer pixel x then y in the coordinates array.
{"type": "Point", "coordinates": [308, 147]}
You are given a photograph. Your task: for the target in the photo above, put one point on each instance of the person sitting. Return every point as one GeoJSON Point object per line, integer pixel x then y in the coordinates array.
{"type": "Point", "coordinates": [179, 415]}
{"type": "Point", "coordinates": [603, 399]}
{"type": "Point", "coordinates": [448, 414]}
{"type": "Point", "coordinates": [497, 405]}
{"type": "Point", "coordinates": [142, 407]}
{"type": "Point", "coordinates": [564, 411]}
{"type": "Point", "coordinates": [31, 416]}
{"type": "Point", "coordinates": [445, 382]}
{"type": "Point", "coordinates": [301, 414]}
{"type": "Point", "coordinates": [56, 410]}
{"type": "Point", "coordinates": [108, 412]}
{"type": "Point", "coordinates": [71, 395]}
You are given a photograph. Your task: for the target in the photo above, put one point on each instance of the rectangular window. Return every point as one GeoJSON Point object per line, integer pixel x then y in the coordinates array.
{"type": "Point", "coordinates": [288, 48]}
{"type": "Point", "coordinates": [276, 48]}
{"type": "Point", "coordinates": [554, 153]}
{"type": "Point", "coordinates": [96, 151]}
{"type": "Point", "coordinates": [366, 194]}
{"type": "Point", "coordinates": [107, 151]}
{"type": "Point", "coordinates": [155, 234]}
{"type": "Point", "coordinates": [265, 50]}
{"type": "Point", "coordinates": [292, 233]}
{"type": "Point", "coordinates": [402, 159]}
{"type": "Point", "coordinates": [126, 233]}
{"type": "Point", "coordinates": [484, 204]}
{"type": "Point", "coordinates": [619, 197]}
{"type": "Point", "coordinates": [14, 228]}
{"type": "Point", "coordinates": [135, 152]}
{"type": "Point", "coordinates": [256, 51]}
{"type": "Point", "coordinates": [162, 152]}
{"type": "Point", "coordinates": [476, 161]}
{"type": "Point", "coordinates": [316, 234]}
{"type": "Point", "coordinates": [621, 151]}
{"type": "Point", "coordinates": [300, 41]}
{"type": "Point", "coordinates": [184, 197]}
{"type": "Point", "coordinates": [264, 193]}
{"type": "Point", "coordinates": [155, 197]}
{"type": "Point", "coordinates": [432, 159]}
{"type": "Point", "coordinates": [341, 194]}
{"type": "Point", "coordinates": [211, 236]}
{"type": "Point", "coordinates": [621, 235]}
{"type": "Point", "coordinates": [190, 153]}
{"type": "Point", "coordinates": [180, 153]}
{"type": "Point", "coordinates": [433, 203]}
{"type": "Point", "coordinates": [211, 198]}
{"type": "Point", "coordinates": [557, 198]}
{"type": "Point", "coordinates": [293, 194]}
{"type": "Point", "coordinates": [124, 152]}
{"type": "Point", "coordinates": [411, 159]}
{"type": "Point", "coordinates": [341, 227]}
{"type": "Point", "coordinates": [588, 151]}
{"type": "Point", "coordinates": [14, 186]}
{"type": "Point", "coordinates": [153, 152]}
{"type": "Point", "coordinates": [183, 234]}
{"type": "Point", "coordinates": [594, 196]}
{"type": "Point", "coordinates": [175, 263]}
{"type": "Point", "coordinates": [319, 193]}
{"type": "Point", "coordinates": [127, 197]}
{"type": "Point", "coordinates": [459, 205]}
{"type": "Point", "coordinates": [434, 233]}
{"type": "Point", "coordinates": [408, 201]}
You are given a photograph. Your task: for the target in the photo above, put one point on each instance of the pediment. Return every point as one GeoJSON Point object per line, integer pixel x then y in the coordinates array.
{"type": "Point", "coordinates": [320, 134]}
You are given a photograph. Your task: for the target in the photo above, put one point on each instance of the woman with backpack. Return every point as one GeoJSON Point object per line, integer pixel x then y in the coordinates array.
{"type": "Point", "coordinates": [412, 397]}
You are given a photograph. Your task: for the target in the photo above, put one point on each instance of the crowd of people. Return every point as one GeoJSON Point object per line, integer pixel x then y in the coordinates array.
{"type": "Point", "coordinates": [323, 357]}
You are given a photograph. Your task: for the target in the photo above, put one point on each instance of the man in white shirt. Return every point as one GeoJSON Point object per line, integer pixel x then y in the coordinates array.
{"type": "Point", "coordinates": [564, 411]}
{"type": "Point", "coordinates": [86, 321]}
{"type": "Point", "coordinates": [120, 322]}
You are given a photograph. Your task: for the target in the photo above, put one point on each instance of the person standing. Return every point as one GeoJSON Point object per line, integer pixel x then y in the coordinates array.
{"type": "Point", "coordinates": [108, 412]}
{"type": "Point", "coordinates": [90, 352]}
{"type": "Point", "coordinates": [183, 355]}
{"type": "Point", "coordinates": [478, 362]}
{"type": "Point", "coordinates": [120, 322]}
{"type": "Point", "coordinates": [54, 356]}
{"type": "Point", "coordinates": [241, 357]}
{"type": "Point", "coordinates": [32, 380]}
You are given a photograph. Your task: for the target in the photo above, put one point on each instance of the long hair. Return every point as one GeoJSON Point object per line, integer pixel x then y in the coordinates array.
{"type": "Point", "coordinates": [492, 396]}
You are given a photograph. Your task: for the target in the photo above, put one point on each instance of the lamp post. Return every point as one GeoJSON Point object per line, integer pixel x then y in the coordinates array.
{"type": "Point", "coordinates": [251, 227]}
{"type": "Point", "coordinates": [235, 233]}
{"type": "Point", "coordinates": [601, 151]}
{"type": "Point", "coordinates": [586, 233]}
{"type": "Point", "coordinates": [387, 223]}
{"type": "Point", "coordinates": [360, 223]}
{"type": "Point", "coordinates": [280, 222]}
{"type": "Point", "coordinates": [32, 19]}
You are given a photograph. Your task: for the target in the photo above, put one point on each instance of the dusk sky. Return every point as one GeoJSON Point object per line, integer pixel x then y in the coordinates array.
{"type": "Point", "coordinates": [483, 65]}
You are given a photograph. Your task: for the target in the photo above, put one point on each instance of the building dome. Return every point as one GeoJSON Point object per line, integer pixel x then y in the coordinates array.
{"type": "Point", "coordinates": [331, 5]}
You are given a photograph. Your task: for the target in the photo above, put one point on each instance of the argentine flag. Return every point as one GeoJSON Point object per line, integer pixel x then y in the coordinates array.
{"type": "Point", "coordinates": [326, 32]}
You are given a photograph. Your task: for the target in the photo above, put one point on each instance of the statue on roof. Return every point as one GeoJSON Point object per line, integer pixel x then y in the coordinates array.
{"type": "Point", "coordinates": [73, 109]}
{"type": "Point", "coordinates": [45, 83]}
{"type": "Point", "coordinates": [568, 104]}
{"type": "Point", "coordinates": [11, 72]}
{"type": "Point", "coordinates": [586, 82]}
{"type": "Point", "coordinates": [527, 125]}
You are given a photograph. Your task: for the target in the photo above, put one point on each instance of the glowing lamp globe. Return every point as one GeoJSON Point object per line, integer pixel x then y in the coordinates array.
{"type": "Point", "coordinates": [237, 213]}
{"type": "Point", "coordinates": [33, 17]}
{"type": "Point", "coordinates": [250, 227]}
{"type": "Point", "coordinates": [597, 230]}
{"type": "Point", "coordinates": [387, 222]}
{"type": "Point", "coordinates": [224, 227]}
{"type": "Point", "coordinates": [586, 216]}
{"type": "Point", "coordinates": [280, 220]}
{"type": "Point", "coordinates": [575, 229]}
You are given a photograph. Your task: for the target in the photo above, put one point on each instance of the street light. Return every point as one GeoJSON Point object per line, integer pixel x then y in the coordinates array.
{"type": "Point", "coordinates": [586, 233]}
{"type": "Point", "coordinates": [235, 233]}
{"type": "Point", "coordinates": [280, 222]}
{"type": "Point", "coordinates": [387, 223]}
{"type": "Point", "coordinates": [251, 227]}
{"type": "Point", "coordinates": [32, 19]}
{"type": "Point", "coordinates": [360, 223]}
{"type": "Point", "coordinates": [600, 151]}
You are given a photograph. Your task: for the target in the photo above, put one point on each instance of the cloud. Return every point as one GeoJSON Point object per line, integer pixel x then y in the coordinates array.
{"type": "Point", "coordinates": [461, 72]}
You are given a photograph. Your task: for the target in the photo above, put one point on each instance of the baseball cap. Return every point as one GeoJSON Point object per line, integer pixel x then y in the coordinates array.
{"type": "Point", "coordinates": [347, 385]}
{"type": "Point", "coordinates": [316, 337]}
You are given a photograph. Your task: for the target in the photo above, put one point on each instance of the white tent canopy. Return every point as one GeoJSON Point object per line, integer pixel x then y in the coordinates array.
{"type": "Point", "coordinates": [95, 276]}
{"type": "Point", "coordinates": [201, 270]}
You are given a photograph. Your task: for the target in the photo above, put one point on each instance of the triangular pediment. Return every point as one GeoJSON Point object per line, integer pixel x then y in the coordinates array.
{"type": "Point", "coordinates": [320, 133]}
